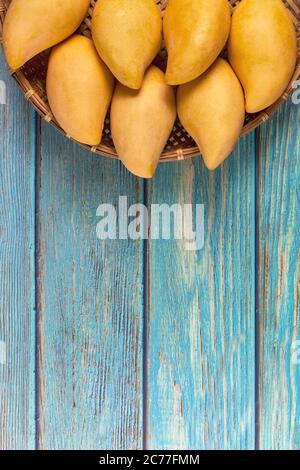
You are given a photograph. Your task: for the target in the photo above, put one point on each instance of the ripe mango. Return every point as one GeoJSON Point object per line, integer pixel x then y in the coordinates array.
{"type": "Point", "coordinates": [141, 122]}
{"type": "Point", "coordinates": [79, 89]}
{"type": "Point", "coordinates": [262, 50]}
{"type": "Point", "coordinates": [127, 35]}
{"type": "Point", "coordinates": [195, 33]}
{"type": "Point", "coordinates": [212, 109]}
{"type": "Point", "coordinates": [31, 26]}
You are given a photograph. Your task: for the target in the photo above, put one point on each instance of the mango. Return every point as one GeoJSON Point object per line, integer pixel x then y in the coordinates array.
{"type": "Point", "coordinates": [141, 122]}
{"type": "Point", "coordinates": [79, 89]}
{"type": "Point", "coordinates": [262, 50]}
{"type": "Point", "coordinates": [32, 26]}
{"type": "Point", "coordinates": [127, 35]}
{"type": "Point", "coordinates": [212, 110]}
{"type": "Point", "coordinates": [195, 33]}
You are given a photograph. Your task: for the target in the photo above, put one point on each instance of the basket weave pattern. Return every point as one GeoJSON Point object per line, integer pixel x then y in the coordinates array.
{"type": "Point", "coordinates": [32, 80]}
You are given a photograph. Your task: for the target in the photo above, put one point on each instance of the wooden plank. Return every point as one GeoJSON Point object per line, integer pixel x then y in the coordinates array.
{"type": "Point", "coordinates": [201, 363]}
{"type": "Point", "coordinates": [90, 305]}
{"type": "Point", "coordinates": [278, 281]}
{"type": "Point", "coordinates": [17, 331]}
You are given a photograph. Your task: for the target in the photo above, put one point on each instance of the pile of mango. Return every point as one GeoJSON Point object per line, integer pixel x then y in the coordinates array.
{"type": "Point", "coordinates": [210, 94]}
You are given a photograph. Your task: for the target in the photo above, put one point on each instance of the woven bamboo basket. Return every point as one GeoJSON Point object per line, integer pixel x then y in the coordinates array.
{"type": "Point", "coordinates": [32, 80]}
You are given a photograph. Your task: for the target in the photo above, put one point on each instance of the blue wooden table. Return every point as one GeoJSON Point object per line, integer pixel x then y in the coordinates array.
{"type": "Point", "coordinates": [129, 344]}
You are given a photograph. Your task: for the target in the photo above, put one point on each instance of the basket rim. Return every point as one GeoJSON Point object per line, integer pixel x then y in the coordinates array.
{"type": "Point", "coordinates": [168, 155]}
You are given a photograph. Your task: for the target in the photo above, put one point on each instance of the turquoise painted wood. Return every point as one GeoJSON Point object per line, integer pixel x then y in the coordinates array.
{"type": "Point", "coordinates": [125, 344]}
{"type": "Point", "coordinates": [17, 206]}
{"type": "Point", "coordinates": [201, 358]}
{"type": "Point", "coordinates": [90, 304]}
{"type": "Point", "coordinates": [278, 280]}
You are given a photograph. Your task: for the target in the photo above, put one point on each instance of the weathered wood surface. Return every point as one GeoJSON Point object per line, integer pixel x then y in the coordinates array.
{"type": "Point", "coordinates": [201, 311]}
{"type": "Point", "coordinates": [90, 304]}
{"type": "Point", "coordinates": [17, 172]}
{"type": "Point", "coordinates": [148, 343]}
{"type": "Point", "coordinates": [278, 241]}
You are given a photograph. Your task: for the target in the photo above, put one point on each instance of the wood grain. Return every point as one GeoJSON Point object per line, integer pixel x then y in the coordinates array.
{"type": "Point", "coordinates": [278, 280]}
{"type": "Point", "coordinates": [201, 312]}
{"type": "Point", "coordinates": [200, 349]}
{"type": "Point", "coordinates": [17, 169]}
{"type": "Point", "coordinates": [90, 305]}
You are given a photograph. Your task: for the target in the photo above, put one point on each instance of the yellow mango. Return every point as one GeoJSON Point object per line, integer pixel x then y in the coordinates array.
{"type": "Point", "coordinates": [127, 35]}
{"type": "Point", "coordinates": [79, 89]}
{"type": "Point", "coordinates": [262, 50]}
{"type": "Point", "coordinates": [141, 122]}
{"type": "Point", "coordinates": [195, 33]}
{"type": "Point", "coordinates": [32, 26]}
{"type": "Point", "coordinates": [212, 110]}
